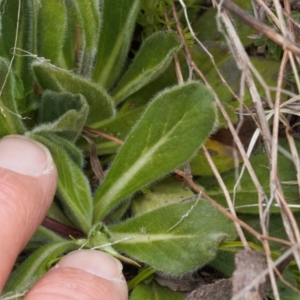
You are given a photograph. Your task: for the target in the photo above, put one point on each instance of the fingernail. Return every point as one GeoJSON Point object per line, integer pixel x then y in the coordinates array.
{"type": "Point", "coordinates": [25, 156]}
{"type": "Point", "coordinates": [95, 262]}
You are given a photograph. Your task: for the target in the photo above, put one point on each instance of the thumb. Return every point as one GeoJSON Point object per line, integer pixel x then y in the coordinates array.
{"type": "Point", "coordinates": [27, 186]}
{"type": "Point", "coordinates": [82, 275]}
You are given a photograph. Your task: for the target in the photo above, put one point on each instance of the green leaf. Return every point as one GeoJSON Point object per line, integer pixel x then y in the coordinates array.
{"type": "Point", "coordinates": [167, 191]}
{"type": "Point", "coordinates": [148, 64]}
{"type": "Point", "coordinates": [26, 36]}
{"type": "Point", "coordinates": [52, 22]}
{"type": "Point", "coordinates": [175, 239]}
{"type": "Point", "coordinates": [10, 121]}
{"type": "Point", "coordinates": [101, 104]}
{"type": "Point", "coordinates": [74, 153]}
{"type": "Point", "coordinates": [154, 291]}
{"type": "Point", "coordinates": [76, 198]}
{"type": "Point", "coordinates": [70, 55]}
{"type": "Point", "coordinates": [42, 237]}
{"type": "Point", "coordinates": [118, 21]}
{"type": "Point", "coordinates": [172, 128]}
{"type": "Point", "coordinates": [64, 113]}
{"type": "Point", "coordinates": [36, 265]}
{"type": "Point", "coordinates": [90, 17]}
{"type": "Point", "coordinates": [118, 127]}
{"type": "Point", "coordinates": [246, 199]}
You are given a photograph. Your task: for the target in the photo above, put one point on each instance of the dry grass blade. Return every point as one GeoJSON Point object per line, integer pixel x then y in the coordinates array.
{"type": "Point", "coordinates": [281, 32]}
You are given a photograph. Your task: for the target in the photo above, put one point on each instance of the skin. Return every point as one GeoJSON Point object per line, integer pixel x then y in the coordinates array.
{"type": "Point", "coordinates": [28, 179]}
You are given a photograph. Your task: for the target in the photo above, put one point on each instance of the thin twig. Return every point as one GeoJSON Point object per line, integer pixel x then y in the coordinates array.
{"type": "Point", "coordinates": [104, 135]}
{"type": "Point", "coordinates": [196, 189]}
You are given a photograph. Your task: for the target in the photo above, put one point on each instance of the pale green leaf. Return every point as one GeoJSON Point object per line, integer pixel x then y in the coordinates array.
{"type": "Point", "coordinates": [76, 198]}
{"type": "Point", "coordinates": [172, 128]}
{"type": "Point", "coordinates": [154, 291]}
{"type": "Point", "coordinates": [118, 21]}
{"type": "Point", "coordinates": [152, 59]}
{"type": "Point", "coordinates": [174, 239]}
{"type": "Point", "coordinates": [36, 265]}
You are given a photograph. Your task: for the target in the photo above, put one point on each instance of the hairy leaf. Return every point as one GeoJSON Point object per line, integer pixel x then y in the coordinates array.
{"type": "Point", "coordinates": [90, 17]}
{"type": "Point", "coordinates": [52, 23]}
{"type": "Point", "coordinates": [114, 40]}
{"type": "Point", "coordinates": [152, 59]}
{"type": "Point", "coordinates": [176, 238]}
{"type": "Point", "coordinates": [101, 104]}
{"type": "Point", "coordinates": [76, 198]}
{"type": "Point", "coordinates": [64, 113]}
{"type": "Point", "coordinates": [154, 291]}
{"type": "Point", "coordinates": [71, 47]}
{"type": "Point", "coordinates": [167, 191]}
{"type": "Point", "coordinates": [36, 265]}
{"type": "Point", "coordinates": [172, 128]}
{"type": "Point", "coordinates": [74, 153]}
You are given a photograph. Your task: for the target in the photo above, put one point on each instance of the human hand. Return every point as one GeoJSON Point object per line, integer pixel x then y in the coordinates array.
{"type": "Point", "coordinates": [28, 179]}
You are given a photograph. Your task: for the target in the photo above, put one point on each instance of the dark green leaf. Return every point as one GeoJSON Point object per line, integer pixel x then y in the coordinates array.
{"type": "Point", "coordinates": [64, 114]}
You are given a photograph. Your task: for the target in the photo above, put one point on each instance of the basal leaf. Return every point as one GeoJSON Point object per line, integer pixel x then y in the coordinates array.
{"type": "Point", "coordinates": [36, 265]}
{"type": "Point", "coordinates": [90, 17]}
{"type": "Point", "coordinates": [64, 114]}
{"type": "Point", "coordinates": [154, 291]}
{"type": "Point", "coordinates": [152, 59]}
{"type": "Point", "coordinates": [167, 191]}
{"type": "Point", "coordinates": [172, 128]}
{"type": "Point", "coordinates": [101, 104]}
{"type": "Point", "coordinates": [76, 198]}
{"type": "Point", "coordinates": [10, 121]}
{"type": "Point", "coordinates": [176, 238]}
{"type": "Point", "coordinates": [118, 21]}
{"type": "Point", "coordinates": [71, 46]}
{"type": "Point", "coordinates": [118, 127]}
{"type": "Point", "coordinates": [52, 21]}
